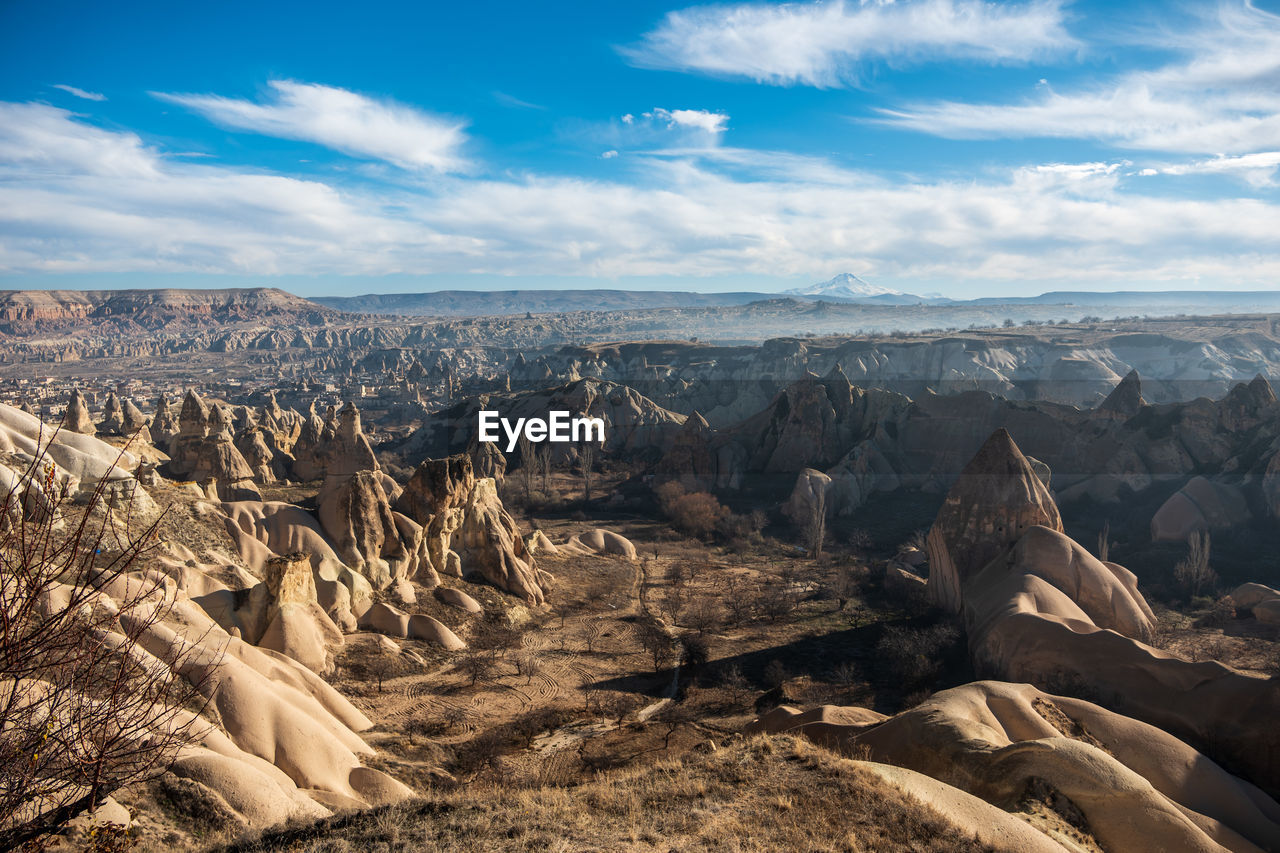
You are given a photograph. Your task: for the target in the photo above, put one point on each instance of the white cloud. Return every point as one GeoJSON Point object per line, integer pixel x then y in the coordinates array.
{"type": "Point", "coordinates": [75, 198]}
{"type": "Point", "coordinates": [825, 44]}
{"type": "Point", "coordinates": [342, 120]}
{"type": "Point", "coordinates": [609, 155]}
{"type": "Point", "coordinates": [1221, 96]}
{"type": "Point", "coordinates": [703, 120]}
{"type": "Point", "coordinates": [80, 93]}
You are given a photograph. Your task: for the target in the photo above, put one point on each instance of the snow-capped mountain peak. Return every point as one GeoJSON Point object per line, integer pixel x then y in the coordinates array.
{"type": "Point", "coordinates": [845, 286]}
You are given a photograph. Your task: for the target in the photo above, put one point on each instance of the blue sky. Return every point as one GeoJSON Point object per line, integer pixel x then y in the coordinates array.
{"type": "Point", "coordinates": [953, 146]}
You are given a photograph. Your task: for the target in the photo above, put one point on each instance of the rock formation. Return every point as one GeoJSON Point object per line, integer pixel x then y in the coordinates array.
{"type": "Point", "coordinates": [1039, 608]}
{"type": "Point", "coordinates": [164, 426]}
{"type": "Point", "coordinates": [1201, 504]}
{"type": "Point", "coordinates": [1126, 400]}
{"type": "Point", "coordinates": [396, 623]}
{"type": "Point", "coordinates": [203, 451]}
{"type": "Point", "coordinates": [77, 417]}
{"type": "Point", "coordinates": [133, 421]}
{"type": "Point", "coordinates": [309, 460]}
{"type": "Point", "coordinates": [282, 613]}
{"type": "Point", "coordinates": [599, 542]}
{"type": "Point", "coordinates": [112, 422]}
{"type": "Point", "coordinates": [467, 529]}
{"type": "Point", "coordinates": [997, 498]}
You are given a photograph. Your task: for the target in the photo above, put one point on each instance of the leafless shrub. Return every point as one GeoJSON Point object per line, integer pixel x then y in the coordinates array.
{"type": "Point", "coordinates": [703, 614]}
{"type": "Point", "coordinates": [735, 685]}
{"type": "Point", "coordinates": [655, 640]}
{"type": "Point", "coordinates": [776, 600]}
{"type": "Point", "coordinates": [843, 586]}
{"type": "Point", "coordinates": [914, 656]}
{"type": "Point", "coordinates": [86, 708]}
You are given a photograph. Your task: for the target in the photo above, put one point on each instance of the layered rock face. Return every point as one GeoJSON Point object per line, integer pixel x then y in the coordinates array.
{"type": "Point", "coordinates": [996, 500]}
{"type": "Point", "coordinates": [467, 529]}
{"type": "Point", "coordinates": [700, 462]}
{"type": "Point", "coordinates": [813, 423]}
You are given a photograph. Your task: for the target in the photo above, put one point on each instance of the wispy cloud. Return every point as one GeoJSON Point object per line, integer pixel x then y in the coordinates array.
{"type": "Point", "coordinates": [342, 120]}
{"type": "Point", "coordinates": [828, 44]}
{"type": "Point", "coordinates": [1219, 97]}
{"type": "Point", "coordinates": [1258, 169]}
{"type": "Point", "coordinates": [80, 93]}
{"type": "Point", "coordinates": [74, 197]}
{"type": "Point", "coordinates": [512, 101]}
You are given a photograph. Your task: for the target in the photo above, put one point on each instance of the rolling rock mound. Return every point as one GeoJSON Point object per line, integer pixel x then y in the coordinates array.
{"type": "Point", "coordinates": [1039, 608]}
{"type": "Point", "coordinates": [80, 462]}
{"type": "Point", "coordinates": [1064, 765]}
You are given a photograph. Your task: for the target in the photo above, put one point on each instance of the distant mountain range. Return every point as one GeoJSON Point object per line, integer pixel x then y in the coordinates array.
{"type": "Point", "coordinates": [845, 288]}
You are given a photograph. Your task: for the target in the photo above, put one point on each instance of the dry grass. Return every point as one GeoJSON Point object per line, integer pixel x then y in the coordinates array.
{"type": "Point", "coordinates": [763, 794]}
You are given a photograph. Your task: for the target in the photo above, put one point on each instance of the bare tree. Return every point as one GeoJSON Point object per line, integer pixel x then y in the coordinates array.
{"type": "Point", "coordinates": [587, 458]}
{"type": "Point", "coordinates": [476, 663]}
{"type": "Point", "coordinates": [703, 614]}
{"type": "Point", "coordinates": [735, 684]}
{"type": "Point", "coordinates": [528, 467]}
{"type": "Point", "coordinates": [1104, 541]}
{"type": "Point", "coordinates": [85, 707]}
{"type": "Point", "coordinates": [543, 455]}
{"type": "Point", "coordinates": [736, 598]}
{"type": "Point", "coordinates": [814, 526]}
{"type": "Point", "coordinates": [843, 587]}
{"type": "Point", "coordinates": [1193, 572]}
{"type": "Point", "coordinates": [527, 664]}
